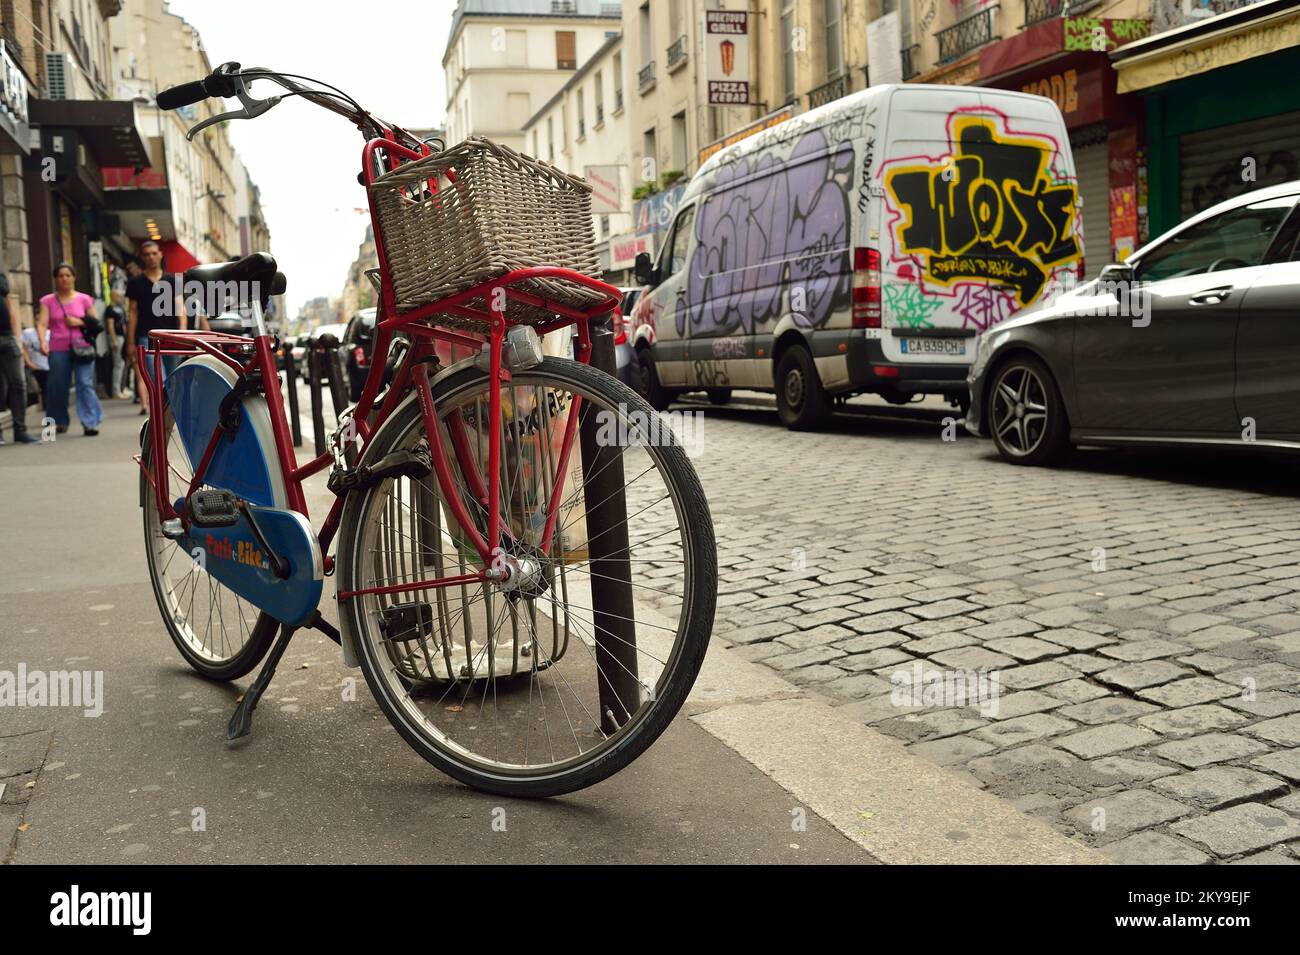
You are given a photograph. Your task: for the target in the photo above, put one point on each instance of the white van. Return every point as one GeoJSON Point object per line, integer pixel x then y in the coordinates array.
{"type": "Point", "coordinates": [859, 248]}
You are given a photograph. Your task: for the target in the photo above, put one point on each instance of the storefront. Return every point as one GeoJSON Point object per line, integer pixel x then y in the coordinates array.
{"type": "Point", "coordinates": [1222, 107]}
{"type": "Point", "coordinates": [1064, 59]}
{"type": "Point", "coordinates": [67, 218]}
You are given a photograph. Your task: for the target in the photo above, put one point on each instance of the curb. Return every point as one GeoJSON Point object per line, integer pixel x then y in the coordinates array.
{"type": "Point", "coordinates": [901, 808]}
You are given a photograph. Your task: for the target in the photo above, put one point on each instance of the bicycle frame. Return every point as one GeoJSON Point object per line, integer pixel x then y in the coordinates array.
{"type": "Point", "coordinates": [412, 373]}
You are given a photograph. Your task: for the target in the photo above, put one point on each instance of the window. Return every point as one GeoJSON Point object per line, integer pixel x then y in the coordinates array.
{"type": "Point", "coordinates": [566, 50]}
{"type": "Point", "coordinates": [650, 150]}
{"type": "Point", "coordinates": [679, 144]}
{"type": "Point", "coordinates": [833, 13]}
{"type": "Point", "coordinates": [516, 48]}
{"type": "Point", "coordinates": [582, 115]}
{"type": "Point", "coordinates": [517, 109]}
{"type": "Point", "coordinates": [681, 240]}
{"type": "Point", "coordinates": [618, 81]}
{"type": "Point", "coordinates": [550, 139]}
{"type": "Point", "coordinates": [598, 96]}
{"type": "Point", "coordinates": [647, 41]}
{"type": "Point", "coordinates": [1234, 239]}
{"type": "Point", "coordinates": [787, 50]}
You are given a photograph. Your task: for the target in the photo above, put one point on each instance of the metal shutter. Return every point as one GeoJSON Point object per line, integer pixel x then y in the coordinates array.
{"type": "Point", "coordinates": [1210, 161]}
{"type": "Point", "coordinates": [1093, 165]}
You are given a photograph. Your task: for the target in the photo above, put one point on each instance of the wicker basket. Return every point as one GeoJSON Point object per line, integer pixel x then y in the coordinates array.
{"type": "Point", "coordinates": [504, 211]}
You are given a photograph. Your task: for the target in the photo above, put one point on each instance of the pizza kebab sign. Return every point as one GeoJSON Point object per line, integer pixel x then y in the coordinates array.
{"type": "Point", "coordinates": [726, 57]}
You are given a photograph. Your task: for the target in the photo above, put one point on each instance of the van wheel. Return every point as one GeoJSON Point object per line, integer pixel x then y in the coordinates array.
{"type": "Point", "coordinates": [801, 401]}
{"type": "Point", "coordinates": [718, 396]}
{"type": "Point", "coordinates": [1026, 414]}
{"type": "Point", "coordinates": [648, 381]}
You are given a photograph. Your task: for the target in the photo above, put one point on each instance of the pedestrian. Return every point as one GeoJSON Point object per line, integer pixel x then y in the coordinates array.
{"type": "Point", "coordinates": [64, 312]}
{"type": "Point", "coordinates": [115, 329]}
{"type": "Point", "coordinates": [13, 383]}
{"type": "Point", "coordinates": [153, 301]}
{"type": "Point", "coordinates": [36, 358]}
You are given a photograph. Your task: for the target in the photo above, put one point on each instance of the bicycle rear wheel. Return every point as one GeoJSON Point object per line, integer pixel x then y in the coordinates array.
{"type": "Point", "coordinates": [515, 686]}
{"type": "Point", "coordinates": [219, 634]}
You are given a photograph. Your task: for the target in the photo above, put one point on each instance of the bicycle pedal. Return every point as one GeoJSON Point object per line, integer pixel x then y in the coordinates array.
{"type": "Point", "coordinates": [214, 508]}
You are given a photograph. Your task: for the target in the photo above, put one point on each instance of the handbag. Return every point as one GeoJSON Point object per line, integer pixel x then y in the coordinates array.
{"type": "Point", "coordinates": [84, 353]}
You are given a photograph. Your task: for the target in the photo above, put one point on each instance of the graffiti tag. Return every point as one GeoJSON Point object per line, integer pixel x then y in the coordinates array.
{"type": "Point", "coordinates": [990, 211]}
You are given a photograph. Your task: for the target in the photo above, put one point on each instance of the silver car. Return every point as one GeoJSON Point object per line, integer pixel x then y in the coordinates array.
{"type": "Point", "coordinates": [1195, 339]}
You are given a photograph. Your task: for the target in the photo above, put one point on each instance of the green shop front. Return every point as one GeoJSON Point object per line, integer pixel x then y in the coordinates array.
{"type": "Point", "coordinates": [1222, 108]}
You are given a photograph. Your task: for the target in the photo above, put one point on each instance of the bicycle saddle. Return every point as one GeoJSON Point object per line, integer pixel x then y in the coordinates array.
{"type": "Point", "coordinates": [231, 283]}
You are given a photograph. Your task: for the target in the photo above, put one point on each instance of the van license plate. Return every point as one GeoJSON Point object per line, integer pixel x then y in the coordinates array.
{"type": "Point", "coordinates": [934, 346]}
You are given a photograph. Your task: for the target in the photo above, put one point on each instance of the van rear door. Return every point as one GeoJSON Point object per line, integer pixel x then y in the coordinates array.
{"type": "Point", "coordinates": [979, 202]}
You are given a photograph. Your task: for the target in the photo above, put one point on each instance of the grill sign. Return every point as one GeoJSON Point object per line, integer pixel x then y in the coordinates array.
{"type": "Point", "coordinates": [726, 57]}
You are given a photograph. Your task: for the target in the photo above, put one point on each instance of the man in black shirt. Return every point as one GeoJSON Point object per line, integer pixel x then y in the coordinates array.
{"type": "Point", "coordinates": [153, 301]}
{"type": "Point", "coordinates": [13, 384]}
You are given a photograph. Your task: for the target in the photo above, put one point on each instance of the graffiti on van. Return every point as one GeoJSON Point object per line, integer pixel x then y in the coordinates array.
{"type": "Point", "coordinates": [985, 227]}
{"type": "Point", "coordinates": [772, 227]}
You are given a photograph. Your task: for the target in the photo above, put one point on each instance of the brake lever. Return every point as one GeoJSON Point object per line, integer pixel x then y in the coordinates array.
{"type": "Point", "coordinates": [252, 108]}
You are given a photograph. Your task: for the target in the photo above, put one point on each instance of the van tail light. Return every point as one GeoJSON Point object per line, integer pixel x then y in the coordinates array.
{"type": "Point", "coordinates": [359, 355]}
{"type": "Point", "coordinates": [866, 288]}
{"type": "Point", "coordinates": [620, 331]}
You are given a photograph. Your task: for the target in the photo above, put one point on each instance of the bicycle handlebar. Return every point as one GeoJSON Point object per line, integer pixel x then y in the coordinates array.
{"type": "Point", "coordinates": [184, 95]}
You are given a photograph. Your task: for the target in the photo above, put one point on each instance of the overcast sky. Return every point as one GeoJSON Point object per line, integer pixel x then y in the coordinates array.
{"type": "Point", "coordinates": [386, 53]}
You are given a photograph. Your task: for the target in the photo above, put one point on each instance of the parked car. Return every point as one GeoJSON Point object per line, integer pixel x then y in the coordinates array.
{"type": "Point", "coordinates": [859, 248]}
{"type": "Point", "coordinates": [356, 347]}
{"type": "Point", "coordinates": [624, 355]}
{"type": "Point", "coordinates": [1195, 339]}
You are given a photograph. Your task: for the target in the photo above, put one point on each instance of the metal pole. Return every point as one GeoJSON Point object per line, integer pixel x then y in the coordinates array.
{"type": "Point", "coordinates": [317, 411]}
{"type": "Point", "coordinates": [611, 572]}
{"type": "Point", "coordinates": [291, 378]}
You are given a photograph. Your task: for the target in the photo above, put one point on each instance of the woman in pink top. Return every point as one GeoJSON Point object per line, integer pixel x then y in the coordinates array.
{"type": "Point", "coordinates": [62, 312]}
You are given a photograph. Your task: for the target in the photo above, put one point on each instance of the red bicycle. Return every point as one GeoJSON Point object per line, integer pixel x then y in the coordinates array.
{"type": "Point", "coordinates": [524, 559]}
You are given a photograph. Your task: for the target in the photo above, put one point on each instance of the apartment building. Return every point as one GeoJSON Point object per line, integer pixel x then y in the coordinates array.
{"type": "Point", "coordinates": [61, 129]}
{"type": "Point", "coordinates": [505, 58]}
{"type": "Point", "coordinates": [583, 129]}
{"type": "Point", "coordinates": [191, 193]}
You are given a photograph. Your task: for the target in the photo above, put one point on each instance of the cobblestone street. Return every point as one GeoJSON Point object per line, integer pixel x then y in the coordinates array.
{"type": "Point", "coordinates": [1141, 609]}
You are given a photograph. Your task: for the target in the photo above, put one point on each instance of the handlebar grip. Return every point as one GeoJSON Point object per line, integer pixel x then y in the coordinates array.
{"type": "Point", "coordinates": [182, 95]}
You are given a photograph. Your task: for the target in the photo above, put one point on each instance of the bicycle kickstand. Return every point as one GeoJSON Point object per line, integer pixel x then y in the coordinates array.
{"type": "Point", "coordinates": [242, 721]}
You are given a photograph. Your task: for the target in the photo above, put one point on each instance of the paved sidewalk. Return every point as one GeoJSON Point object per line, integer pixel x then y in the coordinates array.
{"type": "Point", "coordinates": [1141, 609]}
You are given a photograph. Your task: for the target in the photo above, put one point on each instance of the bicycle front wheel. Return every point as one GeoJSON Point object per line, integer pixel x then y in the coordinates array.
{"type": "Point", "coordinates": [567, 666]}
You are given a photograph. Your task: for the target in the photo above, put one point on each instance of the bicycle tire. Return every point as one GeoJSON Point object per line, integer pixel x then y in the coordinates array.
{"type": "Point", "coordinates": [689, 646]}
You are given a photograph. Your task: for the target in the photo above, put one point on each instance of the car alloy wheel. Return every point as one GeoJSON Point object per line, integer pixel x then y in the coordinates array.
{"type": "Point", "coordinates": [1019, 410]}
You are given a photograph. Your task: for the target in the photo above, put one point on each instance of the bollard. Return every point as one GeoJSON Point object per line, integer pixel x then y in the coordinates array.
{"type": "Point", "coordinates": [291, 377]}
{"type": "Point", "coordinates": [611, 571]}
{"type": "Point", "coordinates": [317, 411]}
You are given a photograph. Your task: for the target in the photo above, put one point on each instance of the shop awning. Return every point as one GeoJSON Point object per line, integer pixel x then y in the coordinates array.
{"type": "Point", "coordinates": [177, 258]}
{"type": "Point", "coordinates": [1241, 34]}
{"type": "Point", "coordinates": [106, 126]}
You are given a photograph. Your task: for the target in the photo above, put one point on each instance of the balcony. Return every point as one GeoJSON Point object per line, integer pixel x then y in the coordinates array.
{"type": "Point", "coordinates": [911, 61]}
{"type": "Point", "coordinates": [1036, 11]}
{"type": "Point", "coordinates": [569, 7]}
{"type": "Point", "coordinates": [966, 36]}
{"type": "Point", "coordinates": [645, 78]}
{"type": "Point", "coordinates": [828, 91]}
{"type": "Point", "coordinates": [677, 54]}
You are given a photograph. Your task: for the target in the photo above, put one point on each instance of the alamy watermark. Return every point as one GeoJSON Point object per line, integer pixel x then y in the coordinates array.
{"type": "Point", "coordinates": [934, 687]}
{"type": "Point", "coordinates": [82, 689]}
{"type": "Point", "coordinates": [634, 428]}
